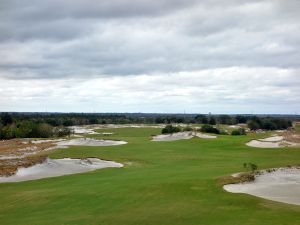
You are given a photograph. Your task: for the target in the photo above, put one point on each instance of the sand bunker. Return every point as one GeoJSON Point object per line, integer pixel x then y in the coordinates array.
{"type": "Point", "coordinates": [58, 167]}
{"type": "Point", "coordinates": [201, 135]}
{"type": "Point", "coordinates": [173, 137]}
{"type": "Point", "coordinates": [271, 142]}
{"type": "Point", "coordinates": [272, 139]}
{"type": "Point", "coordinates": [26, 152]}
{"type": "Point", "coordinates": [82, 130]}
{"type": "Point", "coordinates": [90, 142]}
{"type": "Point", "coordinates": [180, 136]}
{"type": "Point", "coordinates": [112, 126]}
{"type": "Point", "coordinates": [282, 185]}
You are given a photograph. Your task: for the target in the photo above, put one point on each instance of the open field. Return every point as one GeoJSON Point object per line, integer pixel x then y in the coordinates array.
{"type": "Point", "coordinates": [161, 183]}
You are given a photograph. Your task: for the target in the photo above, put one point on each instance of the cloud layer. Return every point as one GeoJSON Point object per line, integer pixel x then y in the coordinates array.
{"type": "Point", "coordinates": [156, 56]}
{"type": "Point", "coordinates": [230, 90]}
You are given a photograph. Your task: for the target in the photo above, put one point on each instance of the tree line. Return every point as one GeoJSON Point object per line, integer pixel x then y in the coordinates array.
{"type": "Point", "coordinates": [44, 125]}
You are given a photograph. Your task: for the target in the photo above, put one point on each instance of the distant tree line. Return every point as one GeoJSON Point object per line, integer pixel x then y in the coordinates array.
{"type": "Point", "coordinates": [269, 123]}
{"type": "Point", "coordinates": [15, 125]}
{"type": "Point", "coordinates": [11, 127]}
{"type": "Point", "coordinates": [206, 128]}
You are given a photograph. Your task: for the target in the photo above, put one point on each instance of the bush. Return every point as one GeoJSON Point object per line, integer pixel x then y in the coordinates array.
{"type": "Point", "coordinates": [250, 166]}
{"type": "Point", "coordinates": [44, 130]}
{"type": "Point", "coordinates": [253, 125]}
{"type": "Point", "coordinates": [169, 129]}
{"type": "Point", "coordinates": [209, 129]}
{"type": "Point", "coordinates": [62, 131]}
{"type": "Point", "coordinates": [212, 121]}
{"type": "Point", "coordinates": [201, 119]}
{"type": "Point", "coordinates": [187, 129]}
{"type": "Point", "coordinates": [6, 119]}
{"type": "Point", "coordinates": [240, 131]}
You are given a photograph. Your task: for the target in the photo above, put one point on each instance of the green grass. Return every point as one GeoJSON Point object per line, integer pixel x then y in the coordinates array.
{"type": "Point", "coordinates": [297, 127]}
{"type": "Point", "coordinates": [162, 183]}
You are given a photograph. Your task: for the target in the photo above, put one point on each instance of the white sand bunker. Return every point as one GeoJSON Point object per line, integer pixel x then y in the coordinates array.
{"type": "Point", "coordinates": [126, 126]}
{"type": "Point", "coordinates": [282, 185]}
{"type": "Point", "coordinates": [90, 142]}
{"type": "Point", "coordinates": [59, 167]}
{"type": "Point", "coordinates": [206, 136]}
{"type": "Point", "coordinates": [180, 136]}
{"type": "Point", "coordinates": [271, 142]}
{"type": "Point", "coordinates": [172, 137]}
{"type": "Point", "coordinates": [82, 130]}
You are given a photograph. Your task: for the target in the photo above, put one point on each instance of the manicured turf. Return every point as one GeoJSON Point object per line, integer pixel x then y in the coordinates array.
{"type": "Point", "coordinates": [162, 183]}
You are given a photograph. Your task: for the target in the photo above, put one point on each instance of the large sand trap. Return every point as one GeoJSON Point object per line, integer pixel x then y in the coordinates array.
{"type": "Point", "coordinates": [271, 142]}
{"type": "Point", "coordinates": [282, 185]}
{"type": "Point", "coordinates": [180, 136]}
{"type": "Point", "coordinates": [90, 142]}
{"type": "Point", "coordinates": [58, 167]}
{"type": "Point", "coordinates": [82, 130]}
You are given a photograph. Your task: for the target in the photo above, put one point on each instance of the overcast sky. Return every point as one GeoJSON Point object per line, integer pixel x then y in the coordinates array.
{"type": "Point", "coordinates": [166, 56]}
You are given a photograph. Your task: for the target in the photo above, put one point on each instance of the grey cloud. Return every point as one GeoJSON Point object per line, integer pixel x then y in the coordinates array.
{"type": "Point", "coordinates": [58, 39]}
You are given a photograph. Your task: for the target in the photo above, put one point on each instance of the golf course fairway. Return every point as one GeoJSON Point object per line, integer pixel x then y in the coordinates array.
{"type": "Point", "coordinates": [161, 183]}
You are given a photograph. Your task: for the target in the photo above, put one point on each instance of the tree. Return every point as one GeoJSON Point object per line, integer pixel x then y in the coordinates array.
{"type": "Point", "coordinates": [225, 119]}
{"type": "Point", "coordinates": [240, 131]}
{"type": "Point", "coordinates": [269, 125]}
{"type": "Point", "coordinates": [93, 121]}
{"type": "Point", "coordinates": [6, 119]}
{"type": "Point", "coordinates": [212, 121]}
{"type": "Point", "coordinates": [68, 122]}
{"type": "Point", "coordinates": [44, 130]}
{"type": "Point", "coordinates": [241, 119]}
{"type": "Point", "coordinates": [169, 129]}
{"type": "Point", "coordinates": [209, 129]}
{"type": "Point", "coordinates": [187, 128]}
{"type": "Point", "coordinates": [201, 119]}
{"type": "Point", "coordinates": [253, 125]}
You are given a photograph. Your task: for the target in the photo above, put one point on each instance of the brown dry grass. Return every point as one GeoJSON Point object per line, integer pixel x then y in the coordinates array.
{"type": "Point", "coordinates": [9, 167]}
{"type": "Point", "coordinates": [26, 152]}
{"type": "Point", "coordinates": [243, 177]}
{"type": "Point", "coordinates": [292, 136]}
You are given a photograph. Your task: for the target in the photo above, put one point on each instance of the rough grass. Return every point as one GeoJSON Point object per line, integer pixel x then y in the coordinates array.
{"type": "Point", "coordinates": [161, 183]}
{"type": "Point", "coordinates": [9, 167]}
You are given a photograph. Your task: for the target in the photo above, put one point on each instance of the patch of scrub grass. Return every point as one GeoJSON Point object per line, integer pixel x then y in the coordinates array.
{"type": "Point", "coordinates": [161, 183]}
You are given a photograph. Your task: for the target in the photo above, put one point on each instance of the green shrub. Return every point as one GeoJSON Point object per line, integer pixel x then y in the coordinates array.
{"type": "Point", "coordinates": [209, 129]}
{"type": "Point", "coordinates": [250, 166]}
{"type": "Point", "coordinates": [240, 131]}
{"type": "Point", "coordinates": [253, 125]}
{"type": "Point", "coordinates": [169, 129]}
{"type": "Point", "coordinates": [187, 129]}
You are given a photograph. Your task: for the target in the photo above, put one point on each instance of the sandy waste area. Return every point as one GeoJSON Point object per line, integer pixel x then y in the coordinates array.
{"type": "Point", "coordinates": [27, 152]}
{"type": "Point", "coordinates": [58, 167]}
{"type": "Point", "coordinates": [281, 185]}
